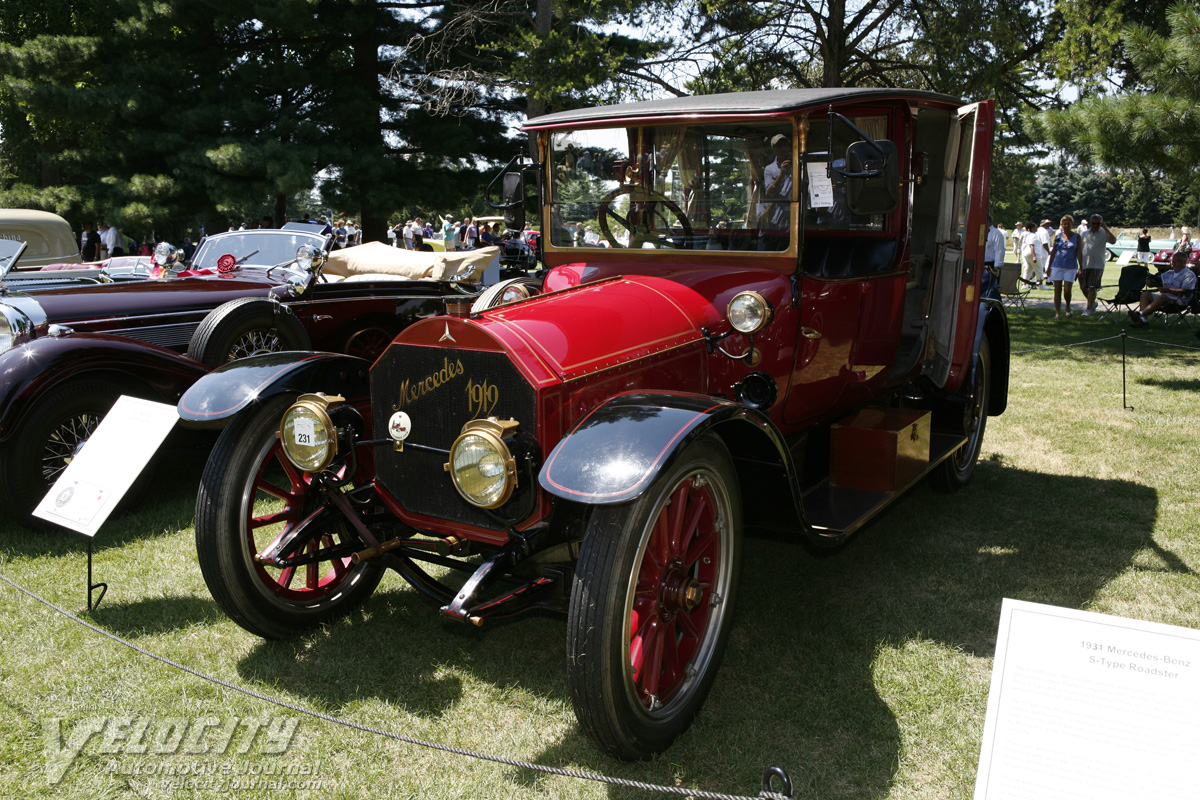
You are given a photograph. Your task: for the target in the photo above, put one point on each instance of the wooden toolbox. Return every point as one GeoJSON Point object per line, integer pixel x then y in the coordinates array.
{"type": "Point", "coordinates": [879, 449]}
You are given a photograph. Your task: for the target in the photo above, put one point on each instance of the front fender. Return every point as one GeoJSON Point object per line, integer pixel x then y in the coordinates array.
{"type": "Point", "coordinates": [615, 453]}
{"type": "Point", "coordinates": [30, 370]}
{"type": "Point", "coordinates": [214, 399]}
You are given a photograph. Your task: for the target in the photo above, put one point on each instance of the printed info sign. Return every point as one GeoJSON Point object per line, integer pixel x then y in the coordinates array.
{"type": "Point", "coordinates": [1086, 705]}
{"type": "Point", "coordinates": [101, 473]}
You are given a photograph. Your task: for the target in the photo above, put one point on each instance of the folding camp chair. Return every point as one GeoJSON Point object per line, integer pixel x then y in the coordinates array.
{"type": "Point", "coordinates": [1013, 288]}
{"type": "Point", "coordinates": [1129, 291]}
{"type": "Point", "coordinates": [1173, 315]}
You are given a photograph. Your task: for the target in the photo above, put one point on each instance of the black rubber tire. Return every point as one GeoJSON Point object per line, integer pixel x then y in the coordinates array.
{"type": "Point", "coordinates": [243, 327]}
{"type": "Point", "coordinates": [617, 713]}
{"type": "Point", "coordinates": [955, 472]}
{"type": "Point", "coordinates": [224, 543]}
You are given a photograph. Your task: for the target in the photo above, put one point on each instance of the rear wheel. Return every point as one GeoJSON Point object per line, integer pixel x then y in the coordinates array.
{"type": "Point", "coordinates": [369, 338]}
{"type": "Point", "coordinates": [651, 604]}
{"type": "Point", "coordinates": [955, 472]}
{"type": "Point", "coordinates": [250, 495]}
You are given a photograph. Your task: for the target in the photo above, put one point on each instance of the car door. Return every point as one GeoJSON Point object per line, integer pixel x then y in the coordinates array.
{"type": "Point", "coordinates": [962, 235]}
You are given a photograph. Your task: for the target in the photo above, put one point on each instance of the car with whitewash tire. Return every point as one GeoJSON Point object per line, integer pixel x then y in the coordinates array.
{"type": "Point", "coordinates": [67, 353]}
{"type": "Point", "coordinates": [785, 324]}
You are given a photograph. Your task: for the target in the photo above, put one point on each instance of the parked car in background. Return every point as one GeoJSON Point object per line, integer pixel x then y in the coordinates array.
{"type": "Point", "coordinates": [48, 238]}
{"type": "Point", "coordinates": [1127, 243]}
{"type": "Point", "coordinates": [66, 354]}
{"type": "Point", "coordinates": [786, 327]}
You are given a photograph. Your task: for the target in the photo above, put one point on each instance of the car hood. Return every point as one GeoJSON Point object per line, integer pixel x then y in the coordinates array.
{"type": "Point", "coordinates": [117, 300]}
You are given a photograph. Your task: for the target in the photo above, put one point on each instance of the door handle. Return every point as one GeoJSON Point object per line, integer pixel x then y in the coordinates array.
{"type": "Point", "coordinates": [810, 333]}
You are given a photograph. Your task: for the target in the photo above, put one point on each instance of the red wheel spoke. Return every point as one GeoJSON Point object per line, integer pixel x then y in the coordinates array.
{"type": "Point", "coordinates": [702, 544]}
{"type": "Point", "coordinates": [641, 642]}
{"type": "Point", "coordinates": [672, 672]}
{"type": "Point", "coordinates": [266, 487]}
{"type": "Point", "coordinates": [270, 519]}
{"type": "Point", "coordinates": [652, 662]}
{"type": "Point", "coordinates": [691, 523]}
{"type": "Point", "coordinates": [286, 576]}
{"type": "Point", "coordinates": [295, 477]}
{"type": "Point", "coordinates": [675, 515]}
{"type": "Point", "coordinates": [658, 542]}
{"type": "Point", "coordinates": [690, 630]}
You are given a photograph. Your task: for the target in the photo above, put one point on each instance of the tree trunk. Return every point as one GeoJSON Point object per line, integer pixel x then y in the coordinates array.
{"type": "Point", "coordinates": [535, 106]}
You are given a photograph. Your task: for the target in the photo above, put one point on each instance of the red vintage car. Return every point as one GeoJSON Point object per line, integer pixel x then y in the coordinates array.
{"type": "Point", "coordinates": [785, 327]}
{"type": "Point", "coordinates": [67, 353]}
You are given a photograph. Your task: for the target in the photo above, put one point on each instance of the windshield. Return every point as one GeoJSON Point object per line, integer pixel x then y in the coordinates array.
{"type": "Point", "coordinates": [254, 248]}
{"type": "Point", "coordinates": [722, 186]}
{"type": "Point", "coordinates": [10, 249]}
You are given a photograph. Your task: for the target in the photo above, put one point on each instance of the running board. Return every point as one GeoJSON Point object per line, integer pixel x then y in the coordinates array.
{"type": "Point", "coordinates": [835, 512]}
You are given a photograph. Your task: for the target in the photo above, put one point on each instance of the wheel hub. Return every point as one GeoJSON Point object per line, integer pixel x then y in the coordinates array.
{"type": "Point", "coordinates": [679, 592]}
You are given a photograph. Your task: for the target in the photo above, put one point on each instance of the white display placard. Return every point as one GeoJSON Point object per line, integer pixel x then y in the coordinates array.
{"type": "Point", "coordinates": [820, 185]}
{"type": "Point", "coordinates": [88, 490]}
{"type": "Point", "coordinates": [1086, 705]}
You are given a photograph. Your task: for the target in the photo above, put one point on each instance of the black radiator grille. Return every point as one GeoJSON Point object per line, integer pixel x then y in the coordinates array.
{"type": "Point", "coordinates": [441, 389]}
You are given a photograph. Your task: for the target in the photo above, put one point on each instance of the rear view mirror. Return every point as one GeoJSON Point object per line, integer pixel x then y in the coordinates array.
{"type": "Point", "coordinates": [872, 177]}
{"type": "Point", "coordinates": [513, 203]}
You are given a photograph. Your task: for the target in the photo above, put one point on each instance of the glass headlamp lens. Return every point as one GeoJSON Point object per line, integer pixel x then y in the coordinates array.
{"type": "Point", "coordinates": [748, 312]}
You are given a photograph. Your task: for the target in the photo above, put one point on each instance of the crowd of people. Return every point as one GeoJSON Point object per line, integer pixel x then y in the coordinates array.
{"type": "Point", "coordinates": [467, 234]}
{"type": "Point", "coordinates": [1062, 256]}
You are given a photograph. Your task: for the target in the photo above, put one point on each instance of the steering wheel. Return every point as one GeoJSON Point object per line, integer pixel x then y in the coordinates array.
{"type": "Point", "coordinates": [646, 210]}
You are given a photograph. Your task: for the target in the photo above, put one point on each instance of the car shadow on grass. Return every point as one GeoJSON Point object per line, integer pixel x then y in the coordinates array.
{"type": "Point", "coordinates": [800, 684]}
{"type": "Point", "coordinates": [1174, 384]}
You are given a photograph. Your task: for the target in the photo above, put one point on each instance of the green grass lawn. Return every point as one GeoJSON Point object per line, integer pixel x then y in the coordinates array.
{"type": "Point", "coordinates": [864, 674]}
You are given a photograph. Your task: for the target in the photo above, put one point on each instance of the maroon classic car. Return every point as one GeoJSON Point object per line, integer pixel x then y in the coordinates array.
{"type": "Point", "coordinates": [66, 354]}
{"type": "Point", "coordinates": [783, 327]}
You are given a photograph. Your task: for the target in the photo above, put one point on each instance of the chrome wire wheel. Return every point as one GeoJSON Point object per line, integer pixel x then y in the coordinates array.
{"type": "Point", "coordinates": [256, 342]}
{"type": "Point", "coordinates": [64, 443]}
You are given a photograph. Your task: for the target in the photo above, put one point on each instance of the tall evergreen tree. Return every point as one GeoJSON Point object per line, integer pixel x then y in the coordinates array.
{"type": "Point", "coordinates": [1155, 127]}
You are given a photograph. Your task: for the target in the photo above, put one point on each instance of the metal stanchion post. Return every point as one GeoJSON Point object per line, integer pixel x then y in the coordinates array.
{"type": "Point", "coordinates": [1124, 400]}
{"type": "Point", "coordinates": [92, 587]}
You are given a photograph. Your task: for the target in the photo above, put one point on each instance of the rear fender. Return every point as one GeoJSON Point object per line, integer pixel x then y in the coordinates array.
{"type": "Point", "coordinates": [617, 451]}
{"type": "Point", "coordinates": [221, 394]}
{"type": "Point", "coordinates": [993, 323]}
{"type": "Point", "coordinates": [33, 369]}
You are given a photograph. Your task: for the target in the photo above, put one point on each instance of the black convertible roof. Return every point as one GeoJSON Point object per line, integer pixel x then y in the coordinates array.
{"type": "Point", "coordinates": [768, 102]}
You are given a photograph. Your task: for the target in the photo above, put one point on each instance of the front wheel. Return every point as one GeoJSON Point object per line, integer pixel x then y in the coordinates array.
{"type": "Point", "coordinates": [651, 604]}
{"type": "Point", "coordinates": [250, 495]}
{"type": "Point", "coordinates": [955, 472]}
{"type": "Point", "coordinates": [47, 440]}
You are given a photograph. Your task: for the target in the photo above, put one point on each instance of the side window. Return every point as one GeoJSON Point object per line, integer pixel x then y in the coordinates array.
{"type": "Point", "coordinates": [826, 201]}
